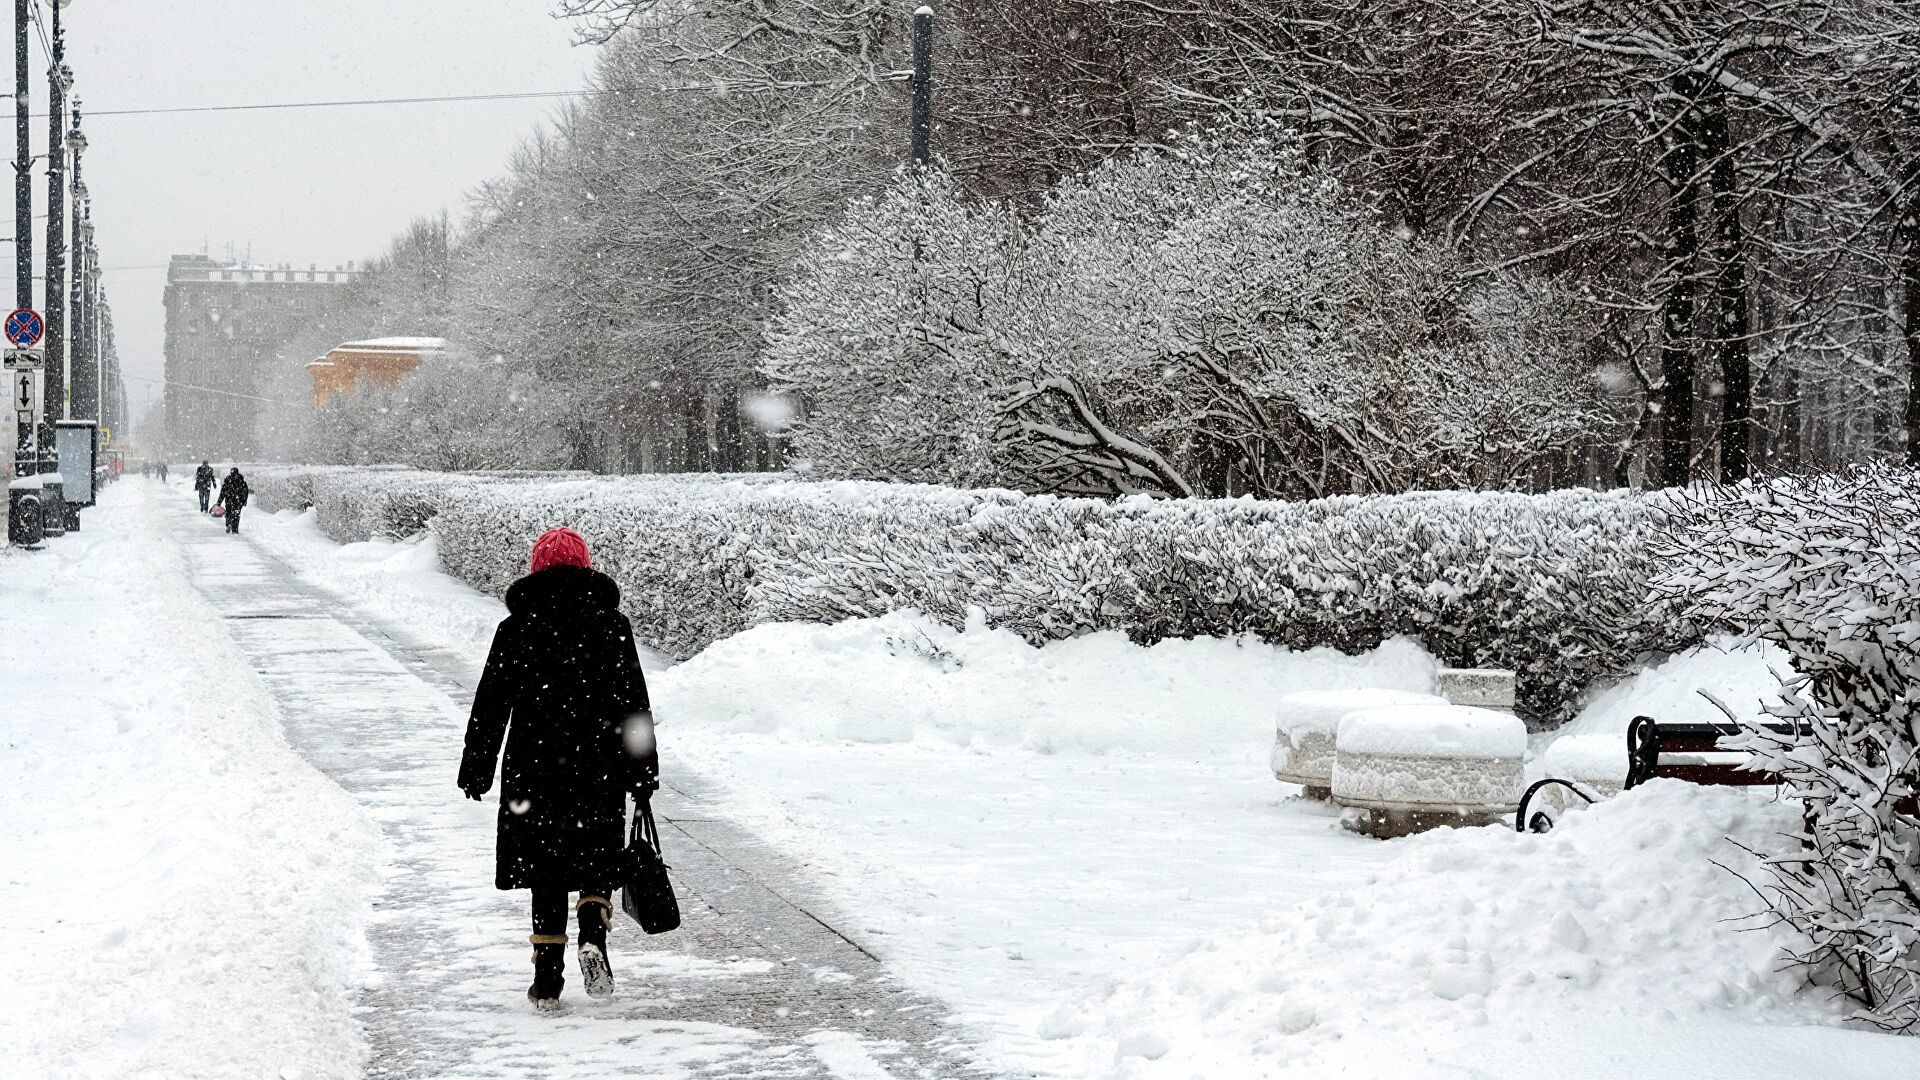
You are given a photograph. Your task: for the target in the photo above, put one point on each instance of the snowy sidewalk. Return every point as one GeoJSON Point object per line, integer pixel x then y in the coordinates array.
{"type": "Point", "coordinates": [758, 982]}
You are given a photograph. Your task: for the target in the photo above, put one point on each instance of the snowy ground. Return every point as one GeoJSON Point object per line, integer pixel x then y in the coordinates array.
{"type": "Point", "coordinates": [1080, 848]}
{"type": "Point", "coordinates": [175, 878]}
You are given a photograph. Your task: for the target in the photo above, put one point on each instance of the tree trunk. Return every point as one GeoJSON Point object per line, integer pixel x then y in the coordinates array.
{"type": "Point", "coordinates": [1677, 313]}
{"type": "Point", "coordinates": [1733, 322]}
{"type": "Point", "coordinates": [1910, 316]}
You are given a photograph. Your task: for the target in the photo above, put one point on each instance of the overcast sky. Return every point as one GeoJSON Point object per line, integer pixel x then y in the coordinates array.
{"type": "Point", "coordinates": [293, 186]}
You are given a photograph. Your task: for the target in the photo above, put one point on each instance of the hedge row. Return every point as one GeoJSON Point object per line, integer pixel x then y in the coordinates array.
{"type": "Point", "coordinates": [1553, 586]}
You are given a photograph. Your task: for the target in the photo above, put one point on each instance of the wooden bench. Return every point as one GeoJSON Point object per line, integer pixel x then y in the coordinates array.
{"type": "Point", "coordinates": [1689, 752]}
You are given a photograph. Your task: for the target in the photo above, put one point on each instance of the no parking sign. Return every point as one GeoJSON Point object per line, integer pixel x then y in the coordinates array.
{"type": "Point", "coordinates": [25, 327]}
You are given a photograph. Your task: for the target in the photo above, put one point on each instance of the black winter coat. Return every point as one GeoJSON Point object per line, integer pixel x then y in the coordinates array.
{"type": "Point", "coordinates": [203, 478]}
{"type": "Point", "coordinates": [234, 491]}
{"type": "Point", "coordinates": [560, 685]}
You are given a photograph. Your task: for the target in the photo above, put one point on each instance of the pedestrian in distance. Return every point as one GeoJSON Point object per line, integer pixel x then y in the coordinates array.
{"type": "Point", "coordinates": [203, 483]}
{"type": "Point", "coordinates": [234, 493]}
{"type": "Point", "coordinates": [564, 690]}
{"type": "Point", "coordinates": [163, 472]}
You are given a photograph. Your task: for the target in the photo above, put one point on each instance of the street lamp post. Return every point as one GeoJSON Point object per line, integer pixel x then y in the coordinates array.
{"type": "Point", "coordinates": [86, 387]}
{"type": "Point", "coordinates": [59, 81]}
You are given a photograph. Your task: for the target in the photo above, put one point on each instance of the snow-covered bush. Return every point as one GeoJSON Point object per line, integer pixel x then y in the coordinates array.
{"type": "Point", "coordinates": [1828, 568]}
{"type": "Point", "coordinates": [1212, 318]}
{"type": "Point", "coordinates": [1550, 586]}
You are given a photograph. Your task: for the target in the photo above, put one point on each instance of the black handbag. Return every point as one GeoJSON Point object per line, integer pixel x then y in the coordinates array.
{"type": "Point", "coordinates": [645, 893]}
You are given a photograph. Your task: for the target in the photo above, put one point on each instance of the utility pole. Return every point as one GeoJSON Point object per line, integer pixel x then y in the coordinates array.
{"type": "Point", "coordinates": [59, 80]}
{"type": "Point", "coordinates": [922, 86]}
{"type": "Point", "coordinates": [22, 165]}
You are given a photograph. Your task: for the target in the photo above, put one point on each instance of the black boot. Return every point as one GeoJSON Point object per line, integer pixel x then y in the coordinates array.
{"type": "Point", "coordinates": [549, 971]}
{"type": "Point", "coordinates": [595, 914]}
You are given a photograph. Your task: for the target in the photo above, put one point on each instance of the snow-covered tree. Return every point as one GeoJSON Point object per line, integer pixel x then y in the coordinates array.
{"type": "Point", "coordinates": [1828, 568]}
{"type": "Point", "coordinates": [1216, 318]}
{"type": "Point", "coordinates": [891, 335]}
{"type": "Point", "coordinates": [457, 413]}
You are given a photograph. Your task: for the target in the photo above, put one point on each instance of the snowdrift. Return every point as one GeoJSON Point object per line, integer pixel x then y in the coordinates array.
{"type": "Point", "coordinates": [1630, 916]}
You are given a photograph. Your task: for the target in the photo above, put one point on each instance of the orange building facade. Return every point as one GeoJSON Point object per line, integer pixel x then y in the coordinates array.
{"type": "Point", "coordinates": [381, 362]}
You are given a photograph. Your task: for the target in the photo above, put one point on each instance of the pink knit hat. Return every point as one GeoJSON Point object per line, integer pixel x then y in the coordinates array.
{"type": "Point", "coordinates": [560, 547]}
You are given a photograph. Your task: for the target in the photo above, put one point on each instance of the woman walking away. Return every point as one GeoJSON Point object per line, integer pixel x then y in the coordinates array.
{"type": "Point", "coordinates": [234, 494]}
{"type": "Point", "coordinates": [563, 687]}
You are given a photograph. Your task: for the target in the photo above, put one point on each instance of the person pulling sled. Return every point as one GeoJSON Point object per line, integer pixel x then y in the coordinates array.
{"type": "Point", "coordinates": [234, 494]}
{"type": "Point", "coordinates": [563, 690]}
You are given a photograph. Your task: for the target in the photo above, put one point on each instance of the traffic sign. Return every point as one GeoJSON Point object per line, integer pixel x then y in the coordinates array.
{"type": "Point", "coordinates": [26, 391]}
{"type": "Point", "coordinates": [25, 327]}
{"type": "Point", "coordinates": [22, 359]}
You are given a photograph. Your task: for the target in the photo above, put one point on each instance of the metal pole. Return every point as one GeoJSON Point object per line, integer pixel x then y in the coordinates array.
{"type": "Point", "coordinates": [922, 85]}
{"type": "Point", "coordinates": [26, 435]}
{"type": "Point", "coordinates": [22, 165]}
{"type": "Point", "coordinates": [86, 392]}
{"type": "Point", "coordinates": [91, 327]}
{"type": "Point", "coordinates": [58, 79]}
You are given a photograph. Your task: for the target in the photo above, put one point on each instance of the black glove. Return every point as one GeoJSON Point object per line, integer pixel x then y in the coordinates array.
{"type": "Point", "coordinates": [475, 795]}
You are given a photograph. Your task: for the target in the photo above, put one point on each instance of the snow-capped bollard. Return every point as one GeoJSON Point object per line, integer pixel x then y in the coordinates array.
{"type": "Point", "coordinates": [53, 505]}
{"type": "Point", "coordinates": [1486, 688]}
{"type": "Point", "coordinates": [24, 518]}
{"type": "Point", "coordinates": [1410, 768]}
{"type": "Point", "coordinates": [1304, 724]}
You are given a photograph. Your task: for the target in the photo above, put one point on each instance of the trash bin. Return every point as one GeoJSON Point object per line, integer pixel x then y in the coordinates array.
{"type": "Point", "coordinates": [24, 518]}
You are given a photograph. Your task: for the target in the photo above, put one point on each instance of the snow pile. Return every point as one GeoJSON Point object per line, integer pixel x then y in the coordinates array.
{"type": "Point", "coordinates": [1552, 586]}
{"type": "Point", "coordinates": [1478, 945]}
{"type": "Point", "coordinates": [1433, 731]}
{"type": "Point", "coordinates": [1682, 689]}
{"type": "Point", "coordinates": [176, 877]}
{"type": "Point", "coordinates": [903, 676]}
{"type": "Point", "coordinates": [1599, 759]}
{"type": "Point", "coordinates": [1318, 712]}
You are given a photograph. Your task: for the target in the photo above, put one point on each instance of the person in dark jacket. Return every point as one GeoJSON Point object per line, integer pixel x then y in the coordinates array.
{"type": "Point", "coordinates": [563, 688]}
{"type": "Point", "coordinates": [203, 483]}
{"type": "Point", "coordinates": [234, 493]}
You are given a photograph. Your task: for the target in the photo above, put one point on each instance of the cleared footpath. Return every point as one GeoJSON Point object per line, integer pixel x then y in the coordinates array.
{"type": "Point", "coordinates": [759, 982]}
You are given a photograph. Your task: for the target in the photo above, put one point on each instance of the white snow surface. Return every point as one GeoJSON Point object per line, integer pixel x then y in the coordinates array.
{"type": "Point", "coordinates": [899, 677]}
{"type": "Point", "coordinates": [1434, 731]}
{"type": "Point", "coordinates": [1318, 712]}
{"type": "Point", "coordinates": [183, 896]}
{"type": "Point", "coordinates": [398, 580]}
{"type": "Point", "coordinates": [1740, 677]}
{"type": "Point", "coordinates": [1611, 947]}
{"type": "Point", "coordinates": [1080, 848]}
{"type": "Point", "coordinates": [1600, 757]}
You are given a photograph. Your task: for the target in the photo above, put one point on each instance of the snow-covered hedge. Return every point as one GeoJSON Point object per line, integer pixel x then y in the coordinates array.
{"type": "Point", "coordinates": [1552, 586]}
{"type": "Point", "coordinates": [1828, 568]}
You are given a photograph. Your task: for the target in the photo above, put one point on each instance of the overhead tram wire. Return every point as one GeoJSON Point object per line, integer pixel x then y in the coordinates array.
{"type": "Point", "coordinates": [530, 95]}
{"type": "Point", "coordinates": [214, 390]}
